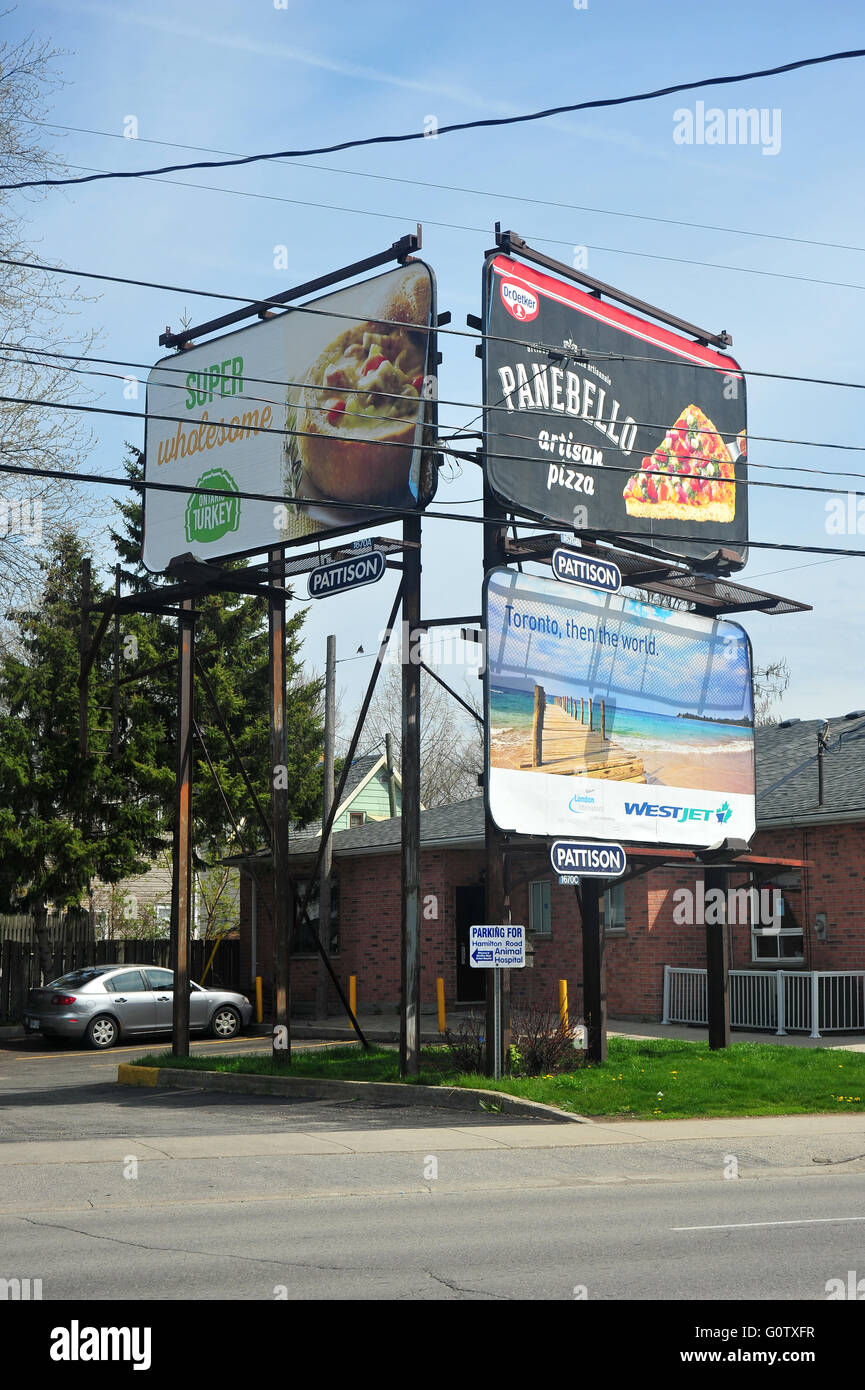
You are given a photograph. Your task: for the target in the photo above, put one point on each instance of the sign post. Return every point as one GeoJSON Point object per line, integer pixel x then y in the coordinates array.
{"type": "Point", "coordinates": [497, 948]}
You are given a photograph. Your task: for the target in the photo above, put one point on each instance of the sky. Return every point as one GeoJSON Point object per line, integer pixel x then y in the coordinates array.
{"type": "Point", "coordinates": [573, 641]}
{"type": "Point", "coordinates": [784, 271]}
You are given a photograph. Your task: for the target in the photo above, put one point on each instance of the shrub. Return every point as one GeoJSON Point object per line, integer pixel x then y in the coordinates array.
{"type": "Point", "coordinates": [467, 1044]}
{"type": "Point", "coordinates": [540, 1042]}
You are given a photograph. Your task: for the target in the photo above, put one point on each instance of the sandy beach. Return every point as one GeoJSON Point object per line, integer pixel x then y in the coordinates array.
{"type": "Point", "coordinates": [571, 749]}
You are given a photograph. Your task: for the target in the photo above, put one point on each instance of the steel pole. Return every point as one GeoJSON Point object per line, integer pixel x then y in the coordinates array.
{"type": "Point", "coordinates": [181, 867]}
{"type": "Point", "coordinates": [594, 972]}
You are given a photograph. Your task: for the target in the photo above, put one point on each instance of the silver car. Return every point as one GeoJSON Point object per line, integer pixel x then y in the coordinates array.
{"type": "Point", "coordinates": [101, 1003]}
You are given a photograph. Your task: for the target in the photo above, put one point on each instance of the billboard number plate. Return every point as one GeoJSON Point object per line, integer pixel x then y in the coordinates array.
{"type": "Point", "coordinates": [588, 858]}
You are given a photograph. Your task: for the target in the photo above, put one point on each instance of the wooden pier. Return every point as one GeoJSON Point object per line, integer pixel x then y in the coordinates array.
{"type": "Point", "coordinates": [569, 737]}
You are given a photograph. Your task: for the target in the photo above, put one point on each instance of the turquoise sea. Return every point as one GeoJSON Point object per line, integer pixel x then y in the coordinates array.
{"type": "Point", "coordinates": [512, 711]}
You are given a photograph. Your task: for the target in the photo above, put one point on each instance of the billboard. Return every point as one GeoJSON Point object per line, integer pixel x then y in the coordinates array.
{"type": "Point", "coordinates": [328, 403]}
{"type": "Point", "coordinates": [579, 433]}
{"type": "Point", "coordinates": [612, 719]}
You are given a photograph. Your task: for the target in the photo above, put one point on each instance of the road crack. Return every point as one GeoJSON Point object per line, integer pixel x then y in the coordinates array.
{"type": "Point", "coordinates": [457, 1288]}
{"type": "Point", "coordinates": [202, 1254]}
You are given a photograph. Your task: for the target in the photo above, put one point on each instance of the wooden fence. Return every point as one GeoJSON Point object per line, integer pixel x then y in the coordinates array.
{"type": "Point", "coordinates": [74, 946]}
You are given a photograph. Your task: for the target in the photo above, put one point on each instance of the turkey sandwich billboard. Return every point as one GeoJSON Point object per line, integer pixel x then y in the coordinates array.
{"type": "Point", "coordinates": [328, 403]}
{"type": "Point", "coordinates": [612, 719]}
{"type": "Point", "coordinates": [604, 422]}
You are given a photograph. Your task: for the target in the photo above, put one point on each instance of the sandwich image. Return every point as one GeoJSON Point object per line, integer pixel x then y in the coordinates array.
{"type": "Point", "coordinates": [362, 398]}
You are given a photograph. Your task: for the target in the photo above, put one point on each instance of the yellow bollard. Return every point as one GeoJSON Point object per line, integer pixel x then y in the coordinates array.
{"type": "Point", "coordinates": [563, 1002]}
{"type": "Point", "coordinates": [259, 1007]}
{"type": "Point", "coordinates": [440, 997]}
{"type": "Point", "coordinates": [352, 994]}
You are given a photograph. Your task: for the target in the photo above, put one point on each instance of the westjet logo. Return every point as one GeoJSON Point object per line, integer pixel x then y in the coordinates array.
{"type": "Point", "coordinates": [679, 813]}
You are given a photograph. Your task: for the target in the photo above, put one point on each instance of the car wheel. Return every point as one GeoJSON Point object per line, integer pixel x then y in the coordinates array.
{"type": "Point", "coordinates": [225, 1022]}
{"type": "Point", "coordinates": [102, 1032]}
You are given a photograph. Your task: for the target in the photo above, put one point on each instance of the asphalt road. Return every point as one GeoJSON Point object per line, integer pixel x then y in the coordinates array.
{"type": "Point", "coordinates": [109, 1192]}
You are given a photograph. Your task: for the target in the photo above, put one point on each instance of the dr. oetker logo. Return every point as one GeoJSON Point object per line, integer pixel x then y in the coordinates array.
{"type": "Point", "coordinates": [520, 303]}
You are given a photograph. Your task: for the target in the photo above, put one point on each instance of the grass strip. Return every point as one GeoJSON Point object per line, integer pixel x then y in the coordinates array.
{"type": "Point", "coordinates": [642, 1078]}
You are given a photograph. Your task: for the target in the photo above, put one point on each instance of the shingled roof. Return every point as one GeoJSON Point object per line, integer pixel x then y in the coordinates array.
{"type": "Point", "coordinates": [788, 770]}
{"type": "Point", "coordinates": [787, 791]}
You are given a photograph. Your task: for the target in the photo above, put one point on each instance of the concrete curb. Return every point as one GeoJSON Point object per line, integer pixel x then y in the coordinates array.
{"type": "Point", "coordinates": [320, 1088]}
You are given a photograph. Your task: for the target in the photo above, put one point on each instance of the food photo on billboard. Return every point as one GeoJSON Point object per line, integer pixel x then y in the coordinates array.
{"type": "Point", "coordinates": [611, 718]}
{"type": "Point", "coordinates": [328, 406]}
{"type": "Point", "coordinates": [604, 422]}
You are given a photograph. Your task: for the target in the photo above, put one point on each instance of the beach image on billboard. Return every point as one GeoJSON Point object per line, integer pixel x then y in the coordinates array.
{"type": "Point", "coordinates": [612, 717]}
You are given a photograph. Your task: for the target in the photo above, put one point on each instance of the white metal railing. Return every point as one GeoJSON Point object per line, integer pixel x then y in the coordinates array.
{"type": "Point", "coordinates": [782, 1001]}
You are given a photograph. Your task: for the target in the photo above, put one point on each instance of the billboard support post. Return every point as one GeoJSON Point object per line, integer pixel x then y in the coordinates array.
{"type": "Point", "coordinates": [410, 965]}
{"type": "Point", "coordinates": [181, 860]}
{"type": "Point", "coordinates": [497, 899]}
{"type": "Point", "coordinates": [594, 971]}
{"type": "Point", "coordinates": [717, 964]}
{"type": "Point", "coordinates": [324, 892]}
{"type": "Point", "coordinates": [282, 887]}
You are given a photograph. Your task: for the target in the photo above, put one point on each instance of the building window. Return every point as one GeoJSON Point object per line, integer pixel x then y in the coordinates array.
{"type": "Point", "coordinates": [613, 910]}
{"type": "Point", "coordinates": [540, 910]}
{"type": "Point", "coordinates": [303, 939]}
{"type": "Point", "coordinates": [355, 818]}
{"type": "Point", "coordinates": [784, 940]}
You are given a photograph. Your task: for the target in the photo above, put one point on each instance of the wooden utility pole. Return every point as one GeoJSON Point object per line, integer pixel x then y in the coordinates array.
{"type": "Point", "coordinates": [717, 965]}
{"type": "Point", "coordinates": [323, 979]}
{"type": "Point", "coordinates": [181, 865]}
{"type": "Point", "coordinates": [115, 673]}
{"type": "Point", "coordinates": [83, 649]}
{"type": "Point", "coordinates": [497, 906]}
{"type": "Point", "coordinates": [282, 887]}
{"type": "Point", "coordinates": [410, 968]}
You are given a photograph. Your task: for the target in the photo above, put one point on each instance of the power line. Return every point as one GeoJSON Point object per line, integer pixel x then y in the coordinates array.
{"type": "Point", "coordinates": [206, 425]}
{"type": "Point", "coordinates": [365, 507]}
{"type": "Point", "coordinates": [472, 335]}
{"type": "Point", "coordinates": [387, 395]}
{"type": "Point", "coordinates": [457, 188]}
{"type": "Point", "coordinates": [383, 513]}
{"type": "Point", "coordinates": [463, 227]}
{"type": "Point", "coordinates": [485, 123]}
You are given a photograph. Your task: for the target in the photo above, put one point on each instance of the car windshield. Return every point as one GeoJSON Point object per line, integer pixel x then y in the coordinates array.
{"type": "Point", "coordinates": [76, 978]}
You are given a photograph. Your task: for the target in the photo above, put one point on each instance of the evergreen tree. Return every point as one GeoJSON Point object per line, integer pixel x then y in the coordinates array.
{"type": "Point", "coordinates": [67, 819]}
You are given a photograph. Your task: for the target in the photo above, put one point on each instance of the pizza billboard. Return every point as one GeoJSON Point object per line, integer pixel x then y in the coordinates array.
{"type": "Point", "coordinates": [613, 719]}
{"type": "Point", "coordinates": [328, 407]}
{"type": "Point", "coordinates": [607, 423]}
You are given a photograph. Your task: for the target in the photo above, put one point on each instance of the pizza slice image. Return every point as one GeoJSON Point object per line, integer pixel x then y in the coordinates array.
{"type": "Point", "coordinates": [690, 476]}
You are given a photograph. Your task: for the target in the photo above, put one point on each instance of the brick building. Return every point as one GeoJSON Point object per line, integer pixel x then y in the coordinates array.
{"type": "Point", "coordinates": [809, 846]}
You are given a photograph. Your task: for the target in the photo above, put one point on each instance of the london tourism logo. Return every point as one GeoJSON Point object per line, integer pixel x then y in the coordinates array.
{"type": "Point", "coordinates": [211, 515]}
